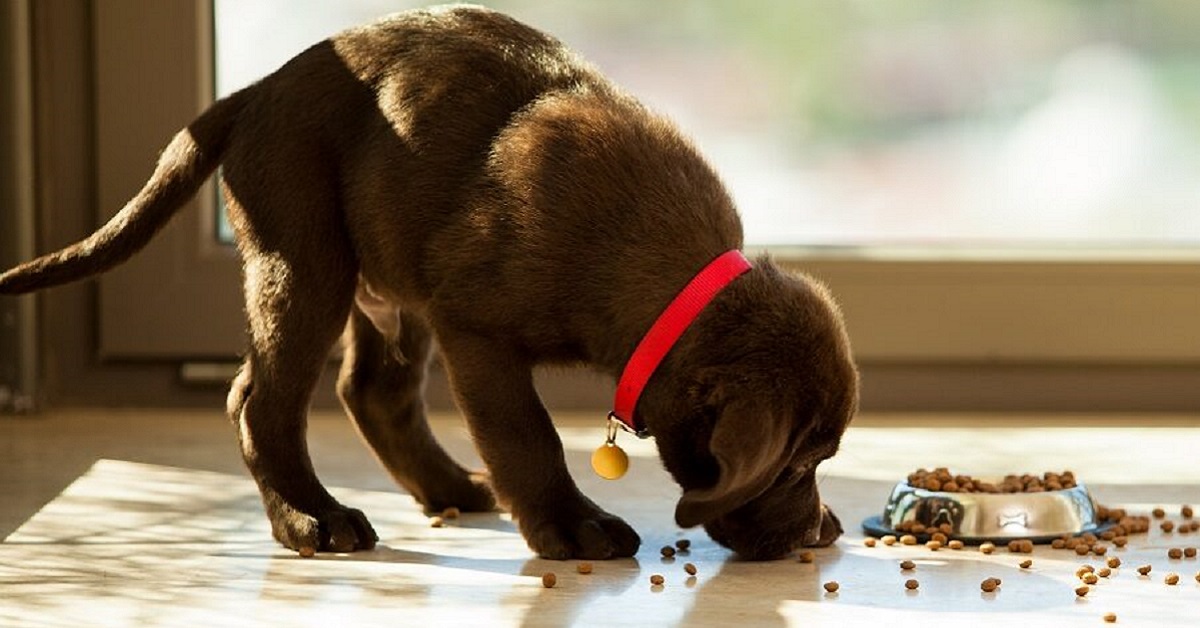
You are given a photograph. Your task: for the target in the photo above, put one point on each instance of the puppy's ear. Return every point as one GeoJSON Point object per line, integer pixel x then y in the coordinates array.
{"type": "Point", "coordinates": [750, 444]}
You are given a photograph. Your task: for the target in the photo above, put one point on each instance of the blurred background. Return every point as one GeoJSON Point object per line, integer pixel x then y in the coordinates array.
{"type": "Point", "coordinates": [1004, 196]}
{"type": "Point", "coordinates": [858, 123]}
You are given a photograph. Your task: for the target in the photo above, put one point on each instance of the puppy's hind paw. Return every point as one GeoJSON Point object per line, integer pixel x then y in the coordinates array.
{"type": "Point", "coordinates": [334, 529]}
{"type": "Point", "coordinates": [469, 492]}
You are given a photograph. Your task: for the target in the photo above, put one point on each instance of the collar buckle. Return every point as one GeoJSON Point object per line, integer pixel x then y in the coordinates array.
{"type": "Point", "coordinates": [615, 422]}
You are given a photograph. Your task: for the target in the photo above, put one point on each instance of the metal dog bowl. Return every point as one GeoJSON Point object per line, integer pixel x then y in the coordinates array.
{"type": "Point", "coordinates": [997, 517]}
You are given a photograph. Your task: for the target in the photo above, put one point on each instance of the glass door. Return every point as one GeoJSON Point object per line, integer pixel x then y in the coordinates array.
{"type": "Point", "coordinates": [993, 182]}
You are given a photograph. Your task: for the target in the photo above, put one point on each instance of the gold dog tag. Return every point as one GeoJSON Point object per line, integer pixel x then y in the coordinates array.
{"type": "Point", "coordinates": [609, 461]}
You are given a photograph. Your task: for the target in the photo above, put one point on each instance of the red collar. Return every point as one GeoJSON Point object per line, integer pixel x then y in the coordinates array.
{"type": "Point", "coordinates": [670, 325]}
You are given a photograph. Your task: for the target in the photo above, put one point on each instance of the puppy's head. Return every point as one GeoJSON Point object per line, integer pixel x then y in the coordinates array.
{"type": "Point", "coordinates": [759, 394]}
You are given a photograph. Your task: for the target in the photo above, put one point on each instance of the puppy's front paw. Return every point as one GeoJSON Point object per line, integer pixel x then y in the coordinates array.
{"type": "Point", "coordinates": [592, 534]}
{"type": "Point", "coordinates": [334, 529]}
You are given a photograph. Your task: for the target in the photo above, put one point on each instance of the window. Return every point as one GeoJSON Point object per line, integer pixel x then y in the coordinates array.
{"type": "Point", "coordinates": [933, 123]}
{"type": "Point", "coordinates": [886, 150]}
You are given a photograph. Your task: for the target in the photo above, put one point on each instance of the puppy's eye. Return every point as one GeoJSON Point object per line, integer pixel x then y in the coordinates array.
{"type": "Point", "coordinates": [802, 469]}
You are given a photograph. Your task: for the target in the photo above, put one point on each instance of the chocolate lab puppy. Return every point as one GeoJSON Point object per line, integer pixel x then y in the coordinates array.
{"type": "Point", "coordinates": [454, 176]}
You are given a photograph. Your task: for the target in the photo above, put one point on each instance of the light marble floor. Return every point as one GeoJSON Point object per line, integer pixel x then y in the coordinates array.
{"type": "Point", "coordinates": [133, 518]}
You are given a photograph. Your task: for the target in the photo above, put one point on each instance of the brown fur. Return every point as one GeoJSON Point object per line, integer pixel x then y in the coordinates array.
{"type": "Point", "coordinates": [455, 175]}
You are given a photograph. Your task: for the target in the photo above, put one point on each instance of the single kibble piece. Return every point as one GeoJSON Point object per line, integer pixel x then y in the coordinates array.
{"type": "Point", "coordinates": [1026, 564]}
{"type": "Point", "coordinates": [1174, 553]}
{"type": "Point", "coordinates": [1058, 543]}
{"type": "Point", "coordinates": [917, 528]}
{"type": "Point", "coordinates": [1158, 513]}
{"type": "Point", "coordinates": [657, 580]}
{"type": "Point", "coordinates": [451, 513]}
{"type": "Point", "coordinates": [1026, 546]}
{"type": "Point", "coordinates": [1110, 618]}
{"type": "Point", "coordinates": [683, 545]}
{"type": "Point", "coordinates": [933, 545]}
{"type": "Point", "coordinates": [807, 556]}
{"type": "Point", "coordinates": [831, 586]}
{"type": "Point", "coordinates": [1082, 590]}
{"type": "Point", "coordinates": [940, 537]}
{"type": "Point", "coordinates": [907, 565]}
{"type": "Point", "coordinates": [1084, 570]}
{"type": "Point", "coordinates": [1144, 569]}
{"type": "Point", "coordinates": [1114, 561]}
{"type": "Point", "coordinates": [667, 551]}
{"type": "Point", "coordinates": [908, 539]}
{"type": "Point", "coordinates": [1120, 541]}
{"type": "Point", "coordinates": [946, 528]}
{"type": "Point", "coordinates": [549, 580]}
{"type": "Point", "coordinates": [1099, 549]}
{"type": "Point", "coordinates": [1082, 549]}
{"type": "Point", "coordinates": [911, 584]}
{"type": "Point", "coordinates": [1104, 572]}
{"type": "Point", "coordinates": [1186, 511]}
{"type": "Point", "coordinates": [1172, 579]}
{"type": "Point", "coordinates": [1014, 545]}
{"type": "Point", "coordinates": [1167, 526]}
{"type": "Point", "coordinates": [869, 541]}
{"type": "Point", "coordinates": [987, 548]}
{"type": "Point", "coordinates": [989, 585]}
{"type": "Point", "coordinates": [584, 568]}
{"type": "Point", "coordinates": [690, 569]}
{"type": "Point", "coordinates": [307, 552]}
{"type": "Point", "coordinates": [1090, 578]}
{"type": "Point", "coordinates": [436, 522]}
{"type": "Point", "coordinates": [890, 539]}
{"type": "Point", "coordinates": [955, 544]}
{"type": "Point", "coordinates": [1189, 552]}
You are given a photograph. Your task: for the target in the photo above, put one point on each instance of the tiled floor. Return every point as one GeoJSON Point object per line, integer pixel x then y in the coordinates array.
{"type": "Point", "coordinates": [130, 518]}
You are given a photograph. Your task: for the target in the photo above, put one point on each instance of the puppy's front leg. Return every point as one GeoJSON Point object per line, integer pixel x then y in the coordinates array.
{"type": "Point", "coordinates": [493, 384]}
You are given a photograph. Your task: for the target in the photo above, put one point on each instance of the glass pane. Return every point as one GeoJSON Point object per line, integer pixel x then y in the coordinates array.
{"type": "Point", "coordinates": [855, 123]}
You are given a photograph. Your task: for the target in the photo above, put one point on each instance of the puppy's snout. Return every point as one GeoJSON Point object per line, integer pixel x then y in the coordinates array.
{"type": "Point", "coordinates": [825, 531]}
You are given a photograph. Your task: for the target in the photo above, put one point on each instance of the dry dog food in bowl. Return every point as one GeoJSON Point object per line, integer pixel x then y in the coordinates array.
{"type": "Point", "coordinates": [1034, 508]}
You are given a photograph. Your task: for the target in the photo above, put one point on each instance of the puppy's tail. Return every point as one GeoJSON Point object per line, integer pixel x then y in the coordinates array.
{"type": "Point", "coordinates": [186, 163]}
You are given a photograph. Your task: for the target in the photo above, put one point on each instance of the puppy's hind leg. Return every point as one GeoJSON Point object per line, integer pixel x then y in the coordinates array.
{"type": "Point", "coordinates": [300, 278]}
{"type": "Point", "coordinates": [381, 385]}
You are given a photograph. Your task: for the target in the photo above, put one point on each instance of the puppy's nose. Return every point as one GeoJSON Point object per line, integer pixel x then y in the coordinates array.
{"type": "Point", "coordinates": [827, 529]}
